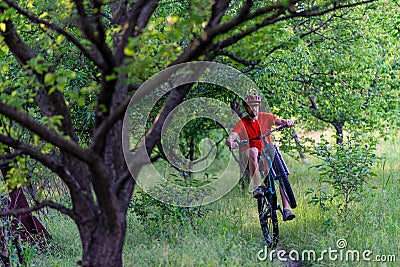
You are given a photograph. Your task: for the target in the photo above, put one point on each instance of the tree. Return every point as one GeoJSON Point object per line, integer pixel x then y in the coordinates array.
{"type": "Point", "coordinates": [345, 75]}
{"type": "Point", "coordinates": [74, 54]}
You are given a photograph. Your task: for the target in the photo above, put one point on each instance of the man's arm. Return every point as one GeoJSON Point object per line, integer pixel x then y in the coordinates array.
{"type": "Point", "coordinates": [230, 140]}
{"type": "Point", "coordinates": [279, 122]}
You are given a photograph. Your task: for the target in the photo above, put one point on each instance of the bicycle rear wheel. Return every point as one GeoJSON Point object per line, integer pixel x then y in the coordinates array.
{"type": "Point", "coordinates": [268, 219]}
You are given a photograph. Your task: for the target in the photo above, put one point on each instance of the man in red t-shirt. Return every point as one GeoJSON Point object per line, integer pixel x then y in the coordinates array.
{"type": "Point", "coordinates": [253, 125]}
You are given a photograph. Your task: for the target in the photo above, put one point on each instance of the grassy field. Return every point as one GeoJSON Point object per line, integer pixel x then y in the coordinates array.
{"type": "Point", "coordinates": [228, 233]}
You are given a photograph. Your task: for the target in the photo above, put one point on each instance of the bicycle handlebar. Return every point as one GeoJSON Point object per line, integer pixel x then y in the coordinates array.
{"type": "Point", "coordinates": [246, 142]}
{"type": "Point", "coordinates": [279, 128]}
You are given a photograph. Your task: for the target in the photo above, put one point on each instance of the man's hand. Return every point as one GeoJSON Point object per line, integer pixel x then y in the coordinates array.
{"type": "Point", "coordinates": [234, 145]}
{"type": "Point", "coordinates": [288, 123]}
{"type": "Point", "coordinates": [230, 141]}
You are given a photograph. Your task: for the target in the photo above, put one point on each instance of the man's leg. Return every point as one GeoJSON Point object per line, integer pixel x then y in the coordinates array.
{"type": "Point", "coordinates": [253, 167]}
{"type": "Point", "coordinates": [285, 203]}
{"type": "Point", "coordinates": [288, 214]}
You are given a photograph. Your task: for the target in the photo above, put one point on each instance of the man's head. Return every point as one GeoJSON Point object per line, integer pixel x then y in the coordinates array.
{"type": "Point", "coordinates": [252, 103]}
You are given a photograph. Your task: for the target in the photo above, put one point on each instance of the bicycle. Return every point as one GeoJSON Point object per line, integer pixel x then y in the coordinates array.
{"type": "Point", "coordinates": [272, 167]}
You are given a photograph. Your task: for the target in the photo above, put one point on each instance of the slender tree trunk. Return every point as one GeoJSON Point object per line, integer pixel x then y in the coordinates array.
{"type": "Point", "coordinates": [339, 131]}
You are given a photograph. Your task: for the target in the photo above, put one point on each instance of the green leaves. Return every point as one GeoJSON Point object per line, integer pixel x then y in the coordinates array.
{"type": "Point", "coordinates": [346, 168]}
{"type": "Point", "coordinates": [38, 64]}
{"type": "Point", "coordinates": [49, 79]}
{"type": "Point", "coordinates": [17, 175]}
{"type": "Point", "coordinates": [340, 73]}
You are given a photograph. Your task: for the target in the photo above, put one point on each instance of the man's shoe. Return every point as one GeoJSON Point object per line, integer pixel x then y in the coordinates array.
{"type": "Point", "coordinates": [288, 215]}
{"type": "Point", "coordinates": [258, 192]}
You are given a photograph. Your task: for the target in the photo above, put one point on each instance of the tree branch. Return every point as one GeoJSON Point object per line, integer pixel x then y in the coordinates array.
{"type": "Point", "coordinates": [218, 10]}
{"type": "Point", "coordinates": [101, 132]}
{"type": "Point", "coordinates": [145, 16]}
{"type": "Point", "coordinates": [45, 133]}
{"type": "Point", "coordinates": [118, 11]}
{"type": "Point", "coordinates": [276, 17]}
{"type": "Point", "coordinates": [313, 104]}
{"type": "Point", "coordinates": [138, 17]}
{"type": "Point", "coordinates": [96, 35]}
{"type": "Point", "coordinates": [201, 44]}
{"type": "Point", "coordinates": [316, 112]}
{"type": "Point", "coordinates": [5, 159]}
{"type": "Point", "coordinates": [58, 29]}
{"type": "Point", "coordinates": [52, 162]}
{"type": "Point", "coordinates": [214, 146]}
{"type": "Point", "coordinates": [46, 203]}
{"type": "Point", "coordinates": [49, 104]}
{"type": "Point", "coordinates": [301, 36]}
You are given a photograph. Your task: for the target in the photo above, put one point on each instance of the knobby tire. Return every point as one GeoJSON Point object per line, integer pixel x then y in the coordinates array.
{"type": "Point", "coordinates": [284, 182]}
{"type": "Point", "coordinates": [268, 219]}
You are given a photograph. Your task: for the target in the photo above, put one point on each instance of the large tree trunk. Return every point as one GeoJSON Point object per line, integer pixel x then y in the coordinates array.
{"type": "Point", "coordinates": [104, 248]}
{"type": "Point", "coordinates": [103, 241]}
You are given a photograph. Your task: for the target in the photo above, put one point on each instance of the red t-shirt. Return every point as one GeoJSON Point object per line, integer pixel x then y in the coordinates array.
{"type": "Point", "coordinates": [248, 129]}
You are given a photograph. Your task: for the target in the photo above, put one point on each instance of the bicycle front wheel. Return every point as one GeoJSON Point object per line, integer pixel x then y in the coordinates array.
{"type": "Point", "coordinates": [284, 182]}
{"type": "Point", "coordinates": [268, 219]}
{"type": "Point", "coordinates": [287, 189]}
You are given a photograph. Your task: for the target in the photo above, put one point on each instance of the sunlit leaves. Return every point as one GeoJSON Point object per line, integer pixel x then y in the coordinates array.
{"type": "Point", "coordinates": [2, 26]}
{"type": "Point", "coordinates": [17, 175]}
{"type": "Point", "coordinates": [158, 47]}
{"type": "Point", "coordinates": [7, 14]}
{"type": "Point", "coordinates": [49, 79]}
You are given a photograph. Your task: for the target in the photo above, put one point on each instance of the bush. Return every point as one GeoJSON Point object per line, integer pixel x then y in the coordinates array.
{"type": "Point", "coordinates": [346, 168]}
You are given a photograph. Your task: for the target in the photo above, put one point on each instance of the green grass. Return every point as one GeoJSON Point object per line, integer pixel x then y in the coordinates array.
{"type": "Point", "coordinates": [64, 249]}
{"type": "Point", "coordinates": [229, 234]}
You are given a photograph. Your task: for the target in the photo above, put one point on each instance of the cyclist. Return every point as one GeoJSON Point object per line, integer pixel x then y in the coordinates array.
{"type": "Point", "coordinates": [253, 125]}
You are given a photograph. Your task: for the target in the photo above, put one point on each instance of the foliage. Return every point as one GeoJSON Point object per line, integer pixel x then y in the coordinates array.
{"type": "Point", "coordinates": [348, 66]}
{"type": "Point", "coordinates": [155, 214]}
{"type": "Point", "coordinates": [347, 168]}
